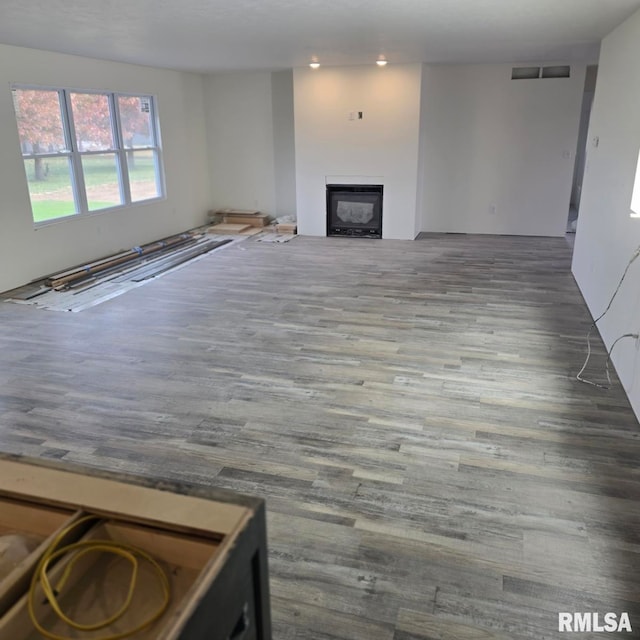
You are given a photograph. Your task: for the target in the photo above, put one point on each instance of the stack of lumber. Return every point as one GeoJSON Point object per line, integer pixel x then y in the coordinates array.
{"type": "Point", "coordinates": [244, 216]}
{"type": "Point", "coordinates": [225, 229]}
{"type": "Point", "coordinates": [239, 221]}
{"type": "Point", "coordinates": [102, 265]}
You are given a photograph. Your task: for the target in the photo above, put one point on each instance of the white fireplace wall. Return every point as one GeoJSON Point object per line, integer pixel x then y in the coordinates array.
{"type": "Point", "coordinates": [383, 145]}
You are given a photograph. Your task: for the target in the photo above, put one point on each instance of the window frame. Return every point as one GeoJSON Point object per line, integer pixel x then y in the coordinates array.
{"type": "Point", "coordinates": [74, 155]}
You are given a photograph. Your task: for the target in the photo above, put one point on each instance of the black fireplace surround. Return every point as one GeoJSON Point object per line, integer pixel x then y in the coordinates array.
{"type": "Point", "coordinates": [354, 210]}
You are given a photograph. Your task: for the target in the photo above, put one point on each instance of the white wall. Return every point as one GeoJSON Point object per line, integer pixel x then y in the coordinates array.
{"type": "Point", "coordinates": [384, 144]}
{"type": "Point", "coordinates": [194, 175]}
{"type": "Point", "coordinates": [606, 235]}
{"type": "Point", "coordinates": [27, 253]}
{"type": "Point", "coordinates": [497, 142]}
{"type": "Point", "coordinates": [241, 141]}
{"type": "Point", "coordinates": [448, 142]}
{"type": "Point", "coordinates": [284, 145]}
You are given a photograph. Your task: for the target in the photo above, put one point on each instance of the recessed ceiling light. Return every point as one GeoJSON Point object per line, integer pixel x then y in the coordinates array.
{"type": "Point", "coordinates": [381, 62]}
{"type": "Point", "coordinates": [314, 64]}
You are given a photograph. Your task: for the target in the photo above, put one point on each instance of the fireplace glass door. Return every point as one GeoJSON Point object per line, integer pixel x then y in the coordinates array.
{"type": "Point", "coordinates": [354, 210]}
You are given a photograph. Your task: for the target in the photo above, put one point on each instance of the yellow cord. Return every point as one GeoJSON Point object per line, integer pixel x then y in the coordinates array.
{"type": "Point", "coordinates": [80, 549]}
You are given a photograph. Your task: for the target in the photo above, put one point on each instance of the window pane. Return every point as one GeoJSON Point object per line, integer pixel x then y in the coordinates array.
{"type": "Point", "coordinates": [101, 181]}
{"type": "Point", "coordinates": [135, 119]}
{"type": "Point", "coordinates": [39, 120]}
{"type": "Point", "coordinates": [143, 176]}
{"type": "Point", "coordinates": [92, 121]}
{"type": "Point", "coordinates": [52, 195]}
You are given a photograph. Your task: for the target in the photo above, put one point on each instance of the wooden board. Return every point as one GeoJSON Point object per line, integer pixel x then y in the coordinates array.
{"type": "Point", "coordinates": [252, 231]}
{"type": "Point", "coordinates": [286, 228]}
{"type": "Point", "coordinates": [255, 220]}
{"type": "Point", "coordinates": [237, 212]}
{"type": "Point", "coordinates": [224, 229]}
{"type": "Point", "coordinates": [118, 499]}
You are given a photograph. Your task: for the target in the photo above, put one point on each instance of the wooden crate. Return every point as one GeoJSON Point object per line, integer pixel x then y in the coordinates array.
{"type": "Point", "coordinates": [211, 544]}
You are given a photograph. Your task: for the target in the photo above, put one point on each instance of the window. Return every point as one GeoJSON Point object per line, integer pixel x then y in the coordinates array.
{"type": "Point", "coordinates": [87, 151]}
{"type": "Point", "coordinates": [635, 197]}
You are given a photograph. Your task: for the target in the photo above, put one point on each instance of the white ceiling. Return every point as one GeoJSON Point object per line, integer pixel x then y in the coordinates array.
{"type": "Point", "coordinates": [217, 35]}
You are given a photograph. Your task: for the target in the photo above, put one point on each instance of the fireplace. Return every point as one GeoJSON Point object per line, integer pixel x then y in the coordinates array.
{"type": "Point", "coordinates": [354, 210]}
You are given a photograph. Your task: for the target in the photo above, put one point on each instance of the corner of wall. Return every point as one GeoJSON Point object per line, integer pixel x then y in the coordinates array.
{"type": "Point", "coordinates": [284, 152]}
{"type": "Point", "coordinates": [240, 135]}
{"type": "Point", "coordinates": [421, 204]}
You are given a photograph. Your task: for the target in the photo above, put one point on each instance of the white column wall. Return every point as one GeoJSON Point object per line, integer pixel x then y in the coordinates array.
{"type": "Point", "coordinates": [383, 145]}
{"type": "Point", "coordinates": [606, 235]}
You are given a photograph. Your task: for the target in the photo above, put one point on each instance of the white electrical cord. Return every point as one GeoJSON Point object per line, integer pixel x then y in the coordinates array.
{"type": "Point", "coordinates": [606, 366]}
{"type": "Point", "coordinates": [593, 326]}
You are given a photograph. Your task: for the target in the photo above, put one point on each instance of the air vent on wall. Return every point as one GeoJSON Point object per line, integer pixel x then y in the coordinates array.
{"type": "Point", "coordinates": [529, 73]}
{"type": "Point", "coordinates": [562, 71]}
{"type": "Point", "coordinates": [525, 73]}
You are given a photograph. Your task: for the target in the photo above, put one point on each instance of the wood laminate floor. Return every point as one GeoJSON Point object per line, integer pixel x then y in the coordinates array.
{"type": "Point", "coordinates": [409, 410]}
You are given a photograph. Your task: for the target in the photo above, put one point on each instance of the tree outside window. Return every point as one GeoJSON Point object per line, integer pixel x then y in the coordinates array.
{"type": "Point", "coordinates": [87, 151]}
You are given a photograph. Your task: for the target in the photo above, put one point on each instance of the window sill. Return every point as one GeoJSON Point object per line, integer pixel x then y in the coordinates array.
{"type": "Point", "coordinates": [91, 214]}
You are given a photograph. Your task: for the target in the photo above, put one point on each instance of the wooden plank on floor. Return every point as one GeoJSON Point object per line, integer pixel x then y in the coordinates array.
{"type": "Point", "coordinates": [255, 220]}
{"type": "Point", "coordinates": [223, 228]}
